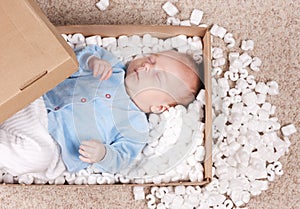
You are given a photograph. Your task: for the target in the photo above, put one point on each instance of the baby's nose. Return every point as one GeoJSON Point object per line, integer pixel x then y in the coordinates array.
{"type": "Point", "coordinates": [146, 66]}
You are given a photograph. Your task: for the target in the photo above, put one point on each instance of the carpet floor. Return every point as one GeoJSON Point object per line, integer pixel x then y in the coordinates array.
{"type": "Point", "coordinates": [275, 28]}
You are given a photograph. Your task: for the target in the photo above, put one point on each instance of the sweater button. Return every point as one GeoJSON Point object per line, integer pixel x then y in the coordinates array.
{"type": "Point", "coordinates": [56, 108]}
{"type": "Point", "coordinates": [83, 100]}
{"type": "Point", "coordinates": [107, 96]}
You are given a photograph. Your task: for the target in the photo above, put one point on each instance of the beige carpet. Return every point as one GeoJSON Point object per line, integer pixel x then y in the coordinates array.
{"type": "Point", "coordinates": [275, 28]}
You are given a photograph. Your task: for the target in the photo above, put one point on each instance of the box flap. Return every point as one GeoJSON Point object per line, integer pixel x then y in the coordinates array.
{"type": "Point", "coordinates": [34, 58]}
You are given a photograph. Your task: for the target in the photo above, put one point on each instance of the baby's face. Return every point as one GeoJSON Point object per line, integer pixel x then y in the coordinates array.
{"type": "Point", "coordinates": [152, 80]}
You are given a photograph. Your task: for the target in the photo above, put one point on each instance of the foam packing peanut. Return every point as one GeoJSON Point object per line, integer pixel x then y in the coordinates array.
{"type": "Point", "coordinates": [196, 17]}
{"type": "Point", "coordinates": [102, 4]}
{"type": "Point", "coordinates": [256, 63]}
{"type": "Point", "coordinates": [93, 40]}
{"type": "Point", "coordinates": [170, 8]}
{"type": "Point", "coordinates": [216, 71]}
{"type": "Point", "coordinates": [245, 59]}
{"type": "Point", "coordinates": [195, 43]}
{"type": "Point", "coordinates": [173, 21]}
{"type": "Point", "coordinates": [228, 38]}
{"type": "Point", "coordinates": [218, 31]}
{"type": "Point", "coordinates": [217, 52]}
{"type": "Point", "coordinates": [77, 38]}
{"type": "Point", "coordinates": [180, 40]}
{"type": "Point", "coordinates": [185, 23]}
{"type": "Point", "coordinates": [288, 129]}
{"type": "Point", "coordinates": [247, 45]}
{"type": "Point", "coordinates": [138, 193]}
{"type": "Point", "coordinates": [109, 41]}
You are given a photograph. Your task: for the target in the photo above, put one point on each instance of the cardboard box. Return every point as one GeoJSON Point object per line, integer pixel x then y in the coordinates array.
{"type": "Point", "coordinates": [34, 57]}
{"type": "Point", "coordinates": [164, 32]}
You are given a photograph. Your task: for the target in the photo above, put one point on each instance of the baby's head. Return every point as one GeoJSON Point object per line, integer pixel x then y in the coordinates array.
{"type": "Point", "coordinates": [161, 80]}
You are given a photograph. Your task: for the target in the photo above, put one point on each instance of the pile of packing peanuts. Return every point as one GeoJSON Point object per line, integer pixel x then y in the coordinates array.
{"type": "Point", "coordinates": [246, 142]}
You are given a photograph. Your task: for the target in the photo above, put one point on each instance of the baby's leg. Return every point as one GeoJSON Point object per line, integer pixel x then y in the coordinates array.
{"type": "Point", "coordinates": [26, 146]}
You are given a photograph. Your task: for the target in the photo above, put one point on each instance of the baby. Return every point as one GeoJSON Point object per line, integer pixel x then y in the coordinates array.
{"type": "Point", "coordinates": [97, 115]}
{"type": "Point", "coordinates": [104, 121]}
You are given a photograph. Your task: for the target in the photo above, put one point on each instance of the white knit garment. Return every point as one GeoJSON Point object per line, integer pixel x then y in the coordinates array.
{"type": "Point", "coordinates": [26, 146]}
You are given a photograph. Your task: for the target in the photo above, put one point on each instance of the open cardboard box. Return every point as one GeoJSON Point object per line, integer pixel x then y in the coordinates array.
{"type": "Point", "coordinates": [37, 58]}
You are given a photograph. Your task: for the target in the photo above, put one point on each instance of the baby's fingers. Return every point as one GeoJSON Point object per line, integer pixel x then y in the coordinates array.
{"type": "Point", "coordinates": [84, 159]}
{"type": "Point", "coordinates": [106, 74]}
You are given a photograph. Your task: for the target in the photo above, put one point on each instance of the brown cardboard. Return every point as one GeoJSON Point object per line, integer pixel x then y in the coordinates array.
{"type": "Point", "coordinates": [34, 57]}
{"type": "Point", "coordinates": [164, 32]}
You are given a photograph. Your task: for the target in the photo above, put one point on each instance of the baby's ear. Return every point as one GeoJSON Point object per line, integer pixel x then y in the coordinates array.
{"type": "Point", "coordinates": [152, 58]}
{"type": "Point", "coordinates": [159, 108]}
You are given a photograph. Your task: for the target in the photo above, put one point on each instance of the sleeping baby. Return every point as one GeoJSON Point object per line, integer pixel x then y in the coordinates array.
{"type": "Point", "coordinates": [97, 116]}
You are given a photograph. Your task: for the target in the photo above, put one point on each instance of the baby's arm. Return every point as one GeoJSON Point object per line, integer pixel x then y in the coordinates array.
{"type": "Point", "coordinates": [112, 158]}
{"type": "Point", "coordinates": [89, 58]}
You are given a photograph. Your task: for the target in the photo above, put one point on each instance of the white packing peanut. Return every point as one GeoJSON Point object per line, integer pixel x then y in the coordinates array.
{"type": "Point", "coordinates": [179, 190]}
{"type": "Point", "coordinates": [234, 76]}
{"type": "Point", "coordinates": [218, 31]}
{"type": "Point", "coordinates": [246, 59]}
{"type": "Point", "coordinates": [94, 40]}
{"type": "Point", "coordinates": [151, 201]}
{"type": "Point", "coordinates": [217, 52]}
{"type": "Point", "coordinates": [77, 38]}
{"type": "Point", "coordinates": [216, 71]}
{"type": "Point", "coordinates": [147, 40]}
{"type": "Point", "coordinates": [161, 192]}
{"type": "Point", "coordinates": [255, 64]}
{"type": "Point", "coordinates": [185, 23]}
{"type": "Point", "coordinates": [102, 4]}
{"type": "Point", "coordinates": [273, 88]}
{"type": "Point", "coordinates": [195, 43]}
{"type": "Point", "coordinates": [139, 193]}
{"type": "Point", "coordinates": [177, 202]}
{"type": "Point", "coordinates": [200, 153]}
{"type": "Point", "coordinates": [247, 45]}
{"type": "Point", "coordinates": [160, 206]}
{"type": "Point", "coordinates": [219, 62]}
{"type": "Point", "coordinates": [80, 180]}
{"type": "Point", "coordinates": [109, 41]}
{"type": "Point", "coordinates": [170, 8]}
{"type": "Point", "coordinates": [233, 56]}
{"type": "Point", "coordinates": [278, 168]}
{"type": "Point", "coordinates": [27, 179]}
{"type": "Point", "coordinates": [270, 172]}
{"type": "Point", "coordinates": [135, 41]}
{"type": "Point", "coordinates": [65, 37]}
{"type": "Point", "coordinates": [203, 25]}
{"type": "Point", "coordinates": [262, 88]}
{"type": "Point", "coordinates": [288, 129]}
{"type": "Point", "coordinates": [123, 41]}
{"type": "Point", "coordinates": [201, 96]}
{"type": "Point", "coordinates": [249, 99]}
{"type": "Point", "coordinates": [261, 98]}
{"type": "Point", "coordinates": [228, 38]}
{"type": "Point", "coordinates": [196, 17]}
{"type": "Point", "coordinates": [215, 199]}
{"type": "Point", "coordinates": [92, 179]}
{"type": "Point", "coordinates": [59, 180]}
{"type": "Point", "coordinates": [180, 40]}
{"type": "Point", "coordinates": [173, 21]}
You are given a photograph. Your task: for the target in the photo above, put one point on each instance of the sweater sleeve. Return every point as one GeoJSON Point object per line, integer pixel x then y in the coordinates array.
{"type": "Point", "coordinates": [84, 55]}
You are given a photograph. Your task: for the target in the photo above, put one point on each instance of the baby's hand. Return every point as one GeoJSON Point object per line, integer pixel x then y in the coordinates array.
{"type": "Point", "coordinates": [100, 68]}
{"type": "Point", "coordinates": [91, 151]}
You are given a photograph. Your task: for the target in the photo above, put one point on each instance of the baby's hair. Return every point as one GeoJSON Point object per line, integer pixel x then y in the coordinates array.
{"type": "Point", "coordinates": [194, 75]}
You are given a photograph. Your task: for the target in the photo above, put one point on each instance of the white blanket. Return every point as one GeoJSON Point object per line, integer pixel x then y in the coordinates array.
{"type": "Point", "coordinates": [26, 148]}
